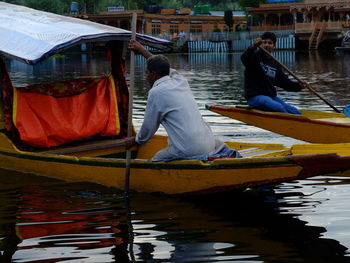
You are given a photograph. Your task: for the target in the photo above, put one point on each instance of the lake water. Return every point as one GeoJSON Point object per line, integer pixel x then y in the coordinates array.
{"type": "Point", "coordinates": [44, 220]}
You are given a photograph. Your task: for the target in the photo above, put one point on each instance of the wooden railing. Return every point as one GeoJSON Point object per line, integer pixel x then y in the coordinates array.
{"type": "Point", "coordinates": [320, 34]}
{"type": "Point", "coordinates": [327, 25]}
{"type": "Point", "coordinates": [271, 27]}
{"type": "Point", "coordinates": [346, 24]}
{"type": "Point", "coordinates": [304, 26]}
{"type": "Point", "coordinates": [274, 5]}
{"type": "Point", "coordinates": [323, 1]}
{"type": "Point", "coordinates": [223, 36]}
{"type": "Point", "coordinates": [334, 25]}
{"type": "Point", "coordinates": [316, 35]}
{"type": "Point", "coordinates": [312, 36]}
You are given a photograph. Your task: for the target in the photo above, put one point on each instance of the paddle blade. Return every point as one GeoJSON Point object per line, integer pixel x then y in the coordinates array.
{"type": "Point", "coordinates": [346, 110]}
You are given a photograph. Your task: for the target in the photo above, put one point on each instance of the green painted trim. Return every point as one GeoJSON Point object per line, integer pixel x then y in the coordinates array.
{"type": "Point", "coordinates": [150, 165]}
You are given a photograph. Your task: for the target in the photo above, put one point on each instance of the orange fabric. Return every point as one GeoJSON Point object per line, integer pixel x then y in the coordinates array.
{"type": "Point", "coordinates": [44, 121]}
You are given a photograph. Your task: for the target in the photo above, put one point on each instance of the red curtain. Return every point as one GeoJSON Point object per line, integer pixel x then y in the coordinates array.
{"type": "Point", "coordinates": [56, 117]}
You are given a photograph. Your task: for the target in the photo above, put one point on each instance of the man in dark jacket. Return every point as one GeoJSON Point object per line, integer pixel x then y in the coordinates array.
{"type": "Point", "coordinates": [261, 76]}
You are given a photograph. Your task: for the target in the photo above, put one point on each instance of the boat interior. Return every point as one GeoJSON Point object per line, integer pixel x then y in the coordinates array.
{"type": "Point", "coordinates": [115, 148]}
{"type": "Point", "coordinates": [323, 116]}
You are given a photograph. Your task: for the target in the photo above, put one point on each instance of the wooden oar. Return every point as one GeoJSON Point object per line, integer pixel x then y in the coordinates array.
{"type": "Point", "coordinates": [298, 79]}
{"type": "Point", "coordinates": [131, 94]}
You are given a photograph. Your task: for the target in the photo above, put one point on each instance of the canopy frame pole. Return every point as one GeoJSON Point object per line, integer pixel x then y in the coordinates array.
{"type": "Point", "coordinates": [131, 102]}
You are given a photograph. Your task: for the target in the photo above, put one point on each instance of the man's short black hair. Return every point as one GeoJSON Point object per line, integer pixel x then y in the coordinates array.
{"type": "Point", "coordinates": [159, 64]}
{"type": "Point", "coordinates": [269, 35]}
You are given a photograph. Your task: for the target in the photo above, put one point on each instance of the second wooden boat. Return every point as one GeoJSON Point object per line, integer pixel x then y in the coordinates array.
{"type": "Point", "coordinates": [311, 126]}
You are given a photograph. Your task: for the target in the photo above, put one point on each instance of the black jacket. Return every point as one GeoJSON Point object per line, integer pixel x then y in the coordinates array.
{"type": "Point", "coordinates": [262, 74]}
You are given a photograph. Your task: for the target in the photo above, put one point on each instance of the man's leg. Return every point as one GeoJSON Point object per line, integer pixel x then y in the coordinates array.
{"type": "Point", "coordinates": [266, 103]}
{"type": "Point", "coordinates": [163, 156]}
{"type": "Point", "coordinates": [289, 108]}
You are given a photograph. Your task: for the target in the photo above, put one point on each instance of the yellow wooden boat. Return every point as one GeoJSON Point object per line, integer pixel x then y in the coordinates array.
{"type": "Point", "coordinates": [59, 129]}
{"type": "Point", "coordinates": [311, 126]}
{"type": "Point", "coordinates": [261, 164]}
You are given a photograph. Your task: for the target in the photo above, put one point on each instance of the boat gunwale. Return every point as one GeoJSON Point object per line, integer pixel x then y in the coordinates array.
{"type": "Point", "coordinates": [147, 164]}
{"type": "Point", "coordinates": [274, 115]}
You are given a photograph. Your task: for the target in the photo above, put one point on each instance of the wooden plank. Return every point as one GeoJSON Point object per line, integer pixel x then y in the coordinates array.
{"type": "Point", "coordinates": [94, 145]}
{"type": "Point", "coordinates": [260, 152]}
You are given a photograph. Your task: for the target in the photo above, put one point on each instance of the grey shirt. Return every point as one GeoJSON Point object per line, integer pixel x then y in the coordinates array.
{"type": "Point", "coordinates": [171, 103]}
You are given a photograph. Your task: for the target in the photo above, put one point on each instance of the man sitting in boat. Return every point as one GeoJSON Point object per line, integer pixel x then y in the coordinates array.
{"type": "Point", "coordinates": [262, 74]}
{"type": "Point", "coordinates": [171, 103]}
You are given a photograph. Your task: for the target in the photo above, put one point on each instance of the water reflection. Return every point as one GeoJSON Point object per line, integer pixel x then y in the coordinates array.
{"type": "Point", "coordinates": [214, 77]}
{"type": "Point", "coordinates": [42, 222]}
{"type": "Point", "coordinates": [59, 67]}
{"type": "Point", "coordinates": [329, 75]}
{"type": "Point", "coordinates": [304, 221]}
{"type": "Point", "coordinates": [50, 221]}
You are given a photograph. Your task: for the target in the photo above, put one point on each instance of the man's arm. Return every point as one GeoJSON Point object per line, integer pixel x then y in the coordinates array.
{"type": "Point", "coordinates": [304, 85]}
{"type": "Point", "coordinates": [284, 82]}
{"type": "Point", "coordinates": [151, 121]}
{"type": "Point", "coordinates": [247, 57]}
{"type": "Point", "coordinates": [139, 49]}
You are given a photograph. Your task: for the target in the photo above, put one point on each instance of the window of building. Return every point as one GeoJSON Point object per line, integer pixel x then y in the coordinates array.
{"type": "Point", "coordinates": [174, 29]}
{"type": "Point", "coordinates": [195, 28]}
{"type": "Point", "coordinates": [155, 29]}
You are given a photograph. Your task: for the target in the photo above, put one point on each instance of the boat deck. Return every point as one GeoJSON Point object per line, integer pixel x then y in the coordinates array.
{"type": "Point", "coordinates": [336, 120]}
{"type": "Point", "coordinates": [114, 143]}
{"type": "Point", "coordinates": [255, 152]}
{"type": "Point", "coordinates": [84, 147]}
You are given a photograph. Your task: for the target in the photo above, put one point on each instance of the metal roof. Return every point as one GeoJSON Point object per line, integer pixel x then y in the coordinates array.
{"type": "Point", "coordinates": [30, 35]}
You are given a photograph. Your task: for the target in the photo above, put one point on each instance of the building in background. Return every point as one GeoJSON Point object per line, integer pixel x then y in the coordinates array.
{"type": "Point", "coordinates": [169, 22]}
{"type": "Point", "coordinates": [315, 22]}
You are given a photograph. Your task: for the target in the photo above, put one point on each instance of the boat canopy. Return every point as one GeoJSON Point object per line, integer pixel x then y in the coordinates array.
{"type": "Point", "coordinates": [31, 35]}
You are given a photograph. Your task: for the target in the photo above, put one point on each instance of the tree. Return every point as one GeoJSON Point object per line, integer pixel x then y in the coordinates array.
{"type": "Point", "coordinates": [12, 1]}
{"type": "Point", "coordinates": [228, 18]}
{"type": "Point", "coordinates": [54, 6]}
{"type": "Point", "coordinates": [88, 6]}
{"type": "Point", "coordinates": [250, 3]}
{"type": "Point", "coordinates": [144, 4]}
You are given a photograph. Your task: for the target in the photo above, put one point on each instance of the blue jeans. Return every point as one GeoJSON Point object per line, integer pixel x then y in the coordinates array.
{"type": "Point", "coordinates": [266, 103]}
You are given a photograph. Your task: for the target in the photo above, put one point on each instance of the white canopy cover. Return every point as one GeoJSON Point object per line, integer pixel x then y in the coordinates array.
{"type": "Point", "coordinates": [31, 35]}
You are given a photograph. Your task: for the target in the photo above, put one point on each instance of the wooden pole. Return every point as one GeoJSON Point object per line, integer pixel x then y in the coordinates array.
{"type": "Point", "coordinates": [298, 79]}
{"type": "Point", "coordinates": [131, 102]}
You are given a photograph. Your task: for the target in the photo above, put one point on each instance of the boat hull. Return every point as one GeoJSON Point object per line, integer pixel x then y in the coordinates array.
{"type": "Point", "coordinates": [177, 177]}
{"type": "Point", "coordinates": [311, 126]}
